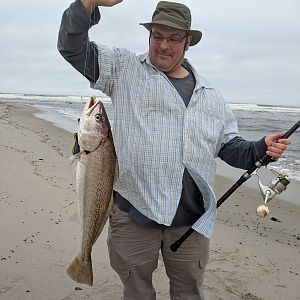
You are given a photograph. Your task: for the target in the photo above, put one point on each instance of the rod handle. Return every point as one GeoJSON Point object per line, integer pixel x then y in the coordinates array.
{"type": "Point", "coordinates": [175, 246]}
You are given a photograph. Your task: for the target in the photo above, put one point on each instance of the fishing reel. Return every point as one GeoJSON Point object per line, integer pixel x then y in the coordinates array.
{"type": "Point", "coordinates": [275, 187]}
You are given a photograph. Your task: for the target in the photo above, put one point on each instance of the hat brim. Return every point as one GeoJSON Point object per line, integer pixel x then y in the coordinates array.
{"type": "Point", "coordinates": [196, 34]}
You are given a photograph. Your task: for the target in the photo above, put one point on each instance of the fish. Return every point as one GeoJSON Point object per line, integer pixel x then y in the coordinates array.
{"type": "Point", "coordinates": [95, 174]}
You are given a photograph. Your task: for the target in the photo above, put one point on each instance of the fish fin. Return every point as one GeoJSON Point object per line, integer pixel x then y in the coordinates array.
{"type": "Point", "coordinates": [75, 218]}
{"type": "Point", "coordinates": [116, 176]}
{"type": "Point", "coordinates": [81, 272]}
{"type": "Point", "coordinates": [75, 157]}
{"type": "Point", "coordinates": [74, 160]}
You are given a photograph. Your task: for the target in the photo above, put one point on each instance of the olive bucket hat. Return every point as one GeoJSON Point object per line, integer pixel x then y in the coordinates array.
{"type": "Point", "coordinates": [175, 15]}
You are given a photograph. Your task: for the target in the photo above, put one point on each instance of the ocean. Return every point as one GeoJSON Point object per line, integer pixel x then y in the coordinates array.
{"type": "Point", "coordinates": [254, 120]}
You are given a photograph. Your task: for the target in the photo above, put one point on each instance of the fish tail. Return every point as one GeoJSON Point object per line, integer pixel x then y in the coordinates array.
{"type": "Point", "coordinates": [81, 272]}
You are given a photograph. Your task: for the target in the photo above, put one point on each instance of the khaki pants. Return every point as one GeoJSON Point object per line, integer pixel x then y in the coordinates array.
{"type": "Point", "coordinates": [134, 250]}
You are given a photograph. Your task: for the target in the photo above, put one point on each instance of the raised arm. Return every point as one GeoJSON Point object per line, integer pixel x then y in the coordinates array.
{"type": "Point", "coordinates": [73, 40]}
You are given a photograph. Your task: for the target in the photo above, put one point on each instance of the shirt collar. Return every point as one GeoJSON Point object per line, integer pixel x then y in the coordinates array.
{"type": "Point", "coordinates": [200, 81]}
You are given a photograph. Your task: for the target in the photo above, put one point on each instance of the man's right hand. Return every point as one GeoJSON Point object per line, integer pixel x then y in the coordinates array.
{"type": "Point", "coordinates": [91, 4]}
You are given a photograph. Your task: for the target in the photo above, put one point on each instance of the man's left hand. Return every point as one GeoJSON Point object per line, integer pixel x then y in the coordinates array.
{"type": "Point", "coordinates": [276, 145]}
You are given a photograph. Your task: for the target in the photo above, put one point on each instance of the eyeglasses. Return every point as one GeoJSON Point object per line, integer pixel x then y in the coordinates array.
{"type": "Point", "coordinates": [173, 39]}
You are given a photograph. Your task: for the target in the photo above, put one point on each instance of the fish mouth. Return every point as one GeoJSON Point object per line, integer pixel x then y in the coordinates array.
{"type": "Point", "coordinates": [92, 105]}
{"type": "Point", "coordinates": [95, 129]}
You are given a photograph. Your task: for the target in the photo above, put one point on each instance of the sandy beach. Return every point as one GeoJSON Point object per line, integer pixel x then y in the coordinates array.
{"type": "Point", "coordinates": [251, 258]}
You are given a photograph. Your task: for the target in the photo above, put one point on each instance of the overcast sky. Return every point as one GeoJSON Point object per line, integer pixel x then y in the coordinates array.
{"type": "Point", "coordinates": [250, 49]}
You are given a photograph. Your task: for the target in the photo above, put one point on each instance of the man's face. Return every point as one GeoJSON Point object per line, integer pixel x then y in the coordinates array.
{"type": "Point", "coordinates": [167, 53]}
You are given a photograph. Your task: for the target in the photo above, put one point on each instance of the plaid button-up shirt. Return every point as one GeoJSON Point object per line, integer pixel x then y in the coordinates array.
{"type": "Point", "coordinates": [156, 136]}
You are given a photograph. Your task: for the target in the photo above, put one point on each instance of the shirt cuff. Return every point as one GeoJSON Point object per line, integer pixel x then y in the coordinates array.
{"type": "Point", "coordinates": [260, 148]}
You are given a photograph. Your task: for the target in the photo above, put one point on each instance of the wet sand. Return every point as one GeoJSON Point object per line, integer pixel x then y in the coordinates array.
{"type": "Point", "coordinates": [251, 258]}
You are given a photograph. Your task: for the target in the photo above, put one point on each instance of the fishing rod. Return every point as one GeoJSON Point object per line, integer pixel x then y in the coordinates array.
{"type": "Point", "coordinates": [275, 187]}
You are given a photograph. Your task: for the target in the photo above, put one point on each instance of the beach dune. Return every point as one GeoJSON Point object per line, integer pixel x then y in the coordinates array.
{"type": "Point", "coordinates": [251, 258]}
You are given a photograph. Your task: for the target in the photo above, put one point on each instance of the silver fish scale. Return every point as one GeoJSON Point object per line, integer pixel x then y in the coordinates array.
{"type": "Point", "coordinates": [95, 173]}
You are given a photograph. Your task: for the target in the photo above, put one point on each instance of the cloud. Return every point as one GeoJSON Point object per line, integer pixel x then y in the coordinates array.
{"type": "Point", "coordinates": [250, 49]}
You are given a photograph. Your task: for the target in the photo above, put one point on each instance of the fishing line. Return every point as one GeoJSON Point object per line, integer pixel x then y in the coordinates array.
{"type": "Point", "coordinates": [76, 148]}
{"type": "Point", "coordinates": [89, 47]}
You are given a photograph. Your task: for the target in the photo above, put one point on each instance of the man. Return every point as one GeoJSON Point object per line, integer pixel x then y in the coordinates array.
{"type": "Point", "coordinates": [169, 125]}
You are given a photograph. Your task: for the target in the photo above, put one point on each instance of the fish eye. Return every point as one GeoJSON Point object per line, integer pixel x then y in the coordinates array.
{"type": "Point", "coordinates": [98, 117]}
